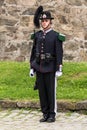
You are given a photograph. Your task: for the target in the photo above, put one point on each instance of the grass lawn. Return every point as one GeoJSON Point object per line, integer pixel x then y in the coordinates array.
{"type": "Point", "coordinates": [15, 83]}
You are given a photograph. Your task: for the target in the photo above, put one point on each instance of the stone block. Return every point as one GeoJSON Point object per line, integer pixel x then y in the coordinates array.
{"type": "Point", "coordinates": [26, 2]}
{"type": "Point", "coordinates": [11, 1]}
{"type": "Point", "coordinates": [1, 2]}
{"type": "Point", "coordinates": [7, 104]}
{"type": "Point", "coordinates": [68, 57]}
{"type": "Point", "coordinates": [25, 20]}
{"type": "Point", "coordinates": [20, 58]}
{"type": "Point", "coordinates": [10, 48]}
{"type": "Point", "coordinates": [74, 2]}
{"type": "Point", "coordinates": [28, 105]}
{"type": "Point", "coordinates": [81, 105]}
{"type": "Point", "coordinates": [7, 21]}
{"type": "Point", "coordinates": [29, 11]}
{"type": "Point", "coordinates": [65, 105]}
{"type": "Point", "coordinates": [85, 44]}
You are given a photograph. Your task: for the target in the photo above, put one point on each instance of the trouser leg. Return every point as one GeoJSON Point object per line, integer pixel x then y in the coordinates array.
{"type": "Point", "coordinates": [47, 92]}
{"type": "Point", "coordinates": [51, 92]}
{"type": "Point", "coordinates": [42, 93]}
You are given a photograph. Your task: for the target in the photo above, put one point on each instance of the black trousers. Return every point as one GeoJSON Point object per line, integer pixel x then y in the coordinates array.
{"type": "Point", "coordinates": [46, 87]}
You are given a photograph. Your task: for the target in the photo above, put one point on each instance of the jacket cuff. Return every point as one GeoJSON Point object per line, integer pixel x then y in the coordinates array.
{"type": "Point", "coordinates": [59, 68]}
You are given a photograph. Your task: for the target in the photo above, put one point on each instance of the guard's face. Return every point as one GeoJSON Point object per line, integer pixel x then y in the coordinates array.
{"type": "Point", "coordinates": [45, 23]}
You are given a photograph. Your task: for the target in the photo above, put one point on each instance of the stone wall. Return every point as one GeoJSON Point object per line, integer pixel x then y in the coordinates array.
{"type": "Point", "coordinates": [16, 25]}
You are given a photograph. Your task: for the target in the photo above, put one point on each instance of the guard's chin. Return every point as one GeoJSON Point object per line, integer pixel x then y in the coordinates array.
{"type": "Point", "coordinates": [45, 28]}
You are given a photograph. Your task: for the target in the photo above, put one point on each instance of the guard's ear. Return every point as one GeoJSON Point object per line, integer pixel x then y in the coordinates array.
{"type": "Point", "coordinates": [50, 21]}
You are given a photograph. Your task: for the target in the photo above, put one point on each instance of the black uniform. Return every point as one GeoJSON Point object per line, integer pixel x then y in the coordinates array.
{"type": "Point", "coordinates": [46, 56]}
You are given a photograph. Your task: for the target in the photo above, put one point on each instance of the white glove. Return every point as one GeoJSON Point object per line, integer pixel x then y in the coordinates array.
{"type": "Point", "coordinates": [31, 73]}
{"type": "Point", "coordinates": [58, 73]}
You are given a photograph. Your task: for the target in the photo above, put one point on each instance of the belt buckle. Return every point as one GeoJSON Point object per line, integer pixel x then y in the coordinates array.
{"type": "Point", "coordinates": [42, 56]}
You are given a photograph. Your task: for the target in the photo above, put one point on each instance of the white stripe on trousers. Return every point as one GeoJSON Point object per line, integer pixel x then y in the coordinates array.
{"type": "Point", "coordinates": [55, 109]}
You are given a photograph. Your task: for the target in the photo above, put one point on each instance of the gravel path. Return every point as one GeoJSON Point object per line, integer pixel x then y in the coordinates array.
{"type": "Point", "coordinates": [29, 120]}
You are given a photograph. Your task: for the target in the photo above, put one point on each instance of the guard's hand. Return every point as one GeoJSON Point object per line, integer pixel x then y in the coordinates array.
{"type": "Point", "coordinates": [58, 73]}
{"type": "Point", "coordinates": [31, 73]}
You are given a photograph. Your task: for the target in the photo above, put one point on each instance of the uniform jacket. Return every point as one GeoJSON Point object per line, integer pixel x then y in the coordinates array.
{"type": "Point", "coordinates": [48, 44]}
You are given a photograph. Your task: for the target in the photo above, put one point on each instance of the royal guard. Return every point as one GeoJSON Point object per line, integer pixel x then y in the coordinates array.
{"type": "Point", "coordinates": [46, 62]}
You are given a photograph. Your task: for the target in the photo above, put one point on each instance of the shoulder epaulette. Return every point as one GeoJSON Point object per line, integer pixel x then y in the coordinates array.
{"type": "Point", "coordinates": [35, 34]}
{"type": "Point", "coordinates": [32, 36]}
{"type": "Point", "coordinates": [61, 37]}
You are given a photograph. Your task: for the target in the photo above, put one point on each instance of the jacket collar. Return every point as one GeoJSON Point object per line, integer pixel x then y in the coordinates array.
{"type": "Point", "coordinates": [47, 30]}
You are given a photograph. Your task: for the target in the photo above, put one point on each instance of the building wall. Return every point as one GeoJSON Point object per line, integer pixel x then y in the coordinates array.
{"type": "Point", "coordinates": [16, 26]}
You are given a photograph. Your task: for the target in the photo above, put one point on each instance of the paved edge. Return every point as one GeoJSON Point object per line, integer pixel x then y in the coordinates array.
{"type": "Point", "coordinates": [62, 106]}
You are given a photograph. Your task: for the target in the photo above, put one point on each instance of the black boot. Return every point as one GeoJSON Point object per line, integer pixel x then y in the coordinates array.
{"type": "Point", "coordinates": [44, 119]}
{"type": "Point", "coordinates": [51, 119]}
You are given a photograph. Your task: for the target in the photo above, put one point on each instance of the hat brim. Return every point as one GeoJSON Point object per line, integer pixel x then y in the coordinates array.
{"type": "Point", "coordinates": [46, 18]}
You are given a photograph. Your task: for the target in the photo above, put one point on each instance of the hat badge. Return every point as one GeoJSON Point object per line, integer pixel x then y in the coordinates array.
{"type": "Point", "coordinates": [44, 16]}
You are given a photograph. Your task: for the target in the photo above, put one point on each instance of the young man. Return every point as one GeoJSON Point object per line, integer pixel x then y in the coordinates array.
{"type": "Point", "coordinates": [46, 61]}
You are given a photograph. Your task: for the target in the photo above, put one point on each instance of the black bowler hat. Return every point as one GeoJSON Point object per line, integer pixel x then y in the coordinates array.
{"type": "Point", "coordinates": [40, 14]}
{"type": "Point", "coordinates": [46, 15]}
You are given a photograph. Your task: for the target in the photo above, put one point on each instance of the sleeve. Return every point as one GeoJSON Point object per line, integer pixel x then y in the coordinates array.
{"type": "Point", "coordinates": [59, 52]}
{"type": "Point", "coordinates": [33, 51]}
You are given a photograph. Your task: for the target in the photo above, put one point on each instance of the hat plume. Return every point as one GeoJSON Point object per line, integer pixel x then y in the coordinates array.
{"type": "Point", "coordinates": [37, 16]}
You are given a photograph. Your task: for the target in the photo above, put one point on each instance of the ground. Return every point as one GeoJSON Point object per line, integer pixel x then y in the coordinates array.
{"type": "Point", "coordinates": [20, 119]}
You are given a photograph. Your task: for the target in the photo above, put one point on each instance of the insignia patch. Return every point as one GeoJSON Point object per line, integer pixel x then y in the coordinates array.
{"type": "Point", "coordinates": [32, 36]}
{"type": "Point", "coordinates": [61, 37]}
